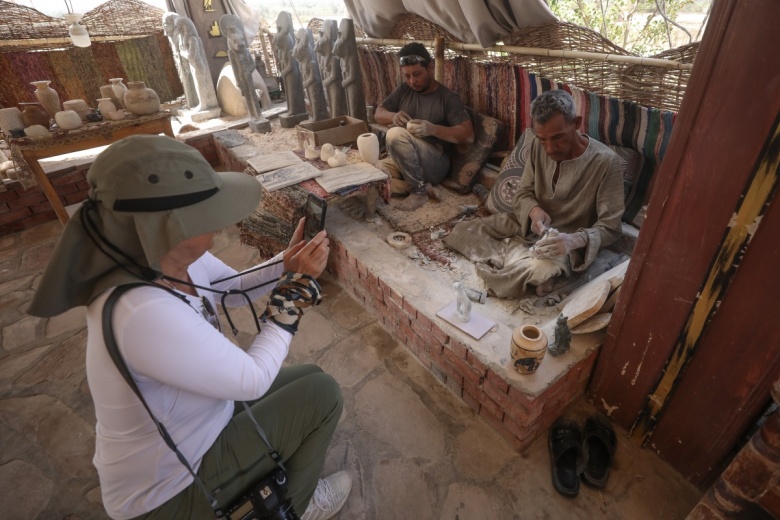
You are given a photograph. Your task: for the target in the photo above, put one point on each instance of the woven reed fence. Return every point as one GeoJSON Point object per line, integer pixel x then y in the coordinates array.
{"type": "Point", "coordinates": [128, 43]}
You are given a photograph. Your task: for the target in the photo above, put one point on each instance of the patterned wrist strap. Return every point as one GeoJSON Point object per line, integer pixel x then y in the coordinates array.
{"type": "Point", "coordinates": [291, 295]}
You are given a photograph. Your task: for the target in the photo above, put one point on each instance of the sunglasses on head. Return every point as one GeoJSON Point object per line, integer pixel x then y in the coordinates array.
{"type": "Point", "coordinates": [412, 59]}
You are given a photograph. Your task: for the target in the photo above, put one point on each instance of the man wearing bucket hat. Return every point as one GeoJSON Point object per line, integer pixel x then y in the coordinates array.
{"type": "Point", "coordinates": [153, 208]}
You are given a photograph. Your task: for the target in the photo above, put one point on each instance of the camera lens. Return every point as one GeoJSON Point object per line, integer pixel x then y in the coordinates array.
{"type": "Point", "coordinates": [280, 479]}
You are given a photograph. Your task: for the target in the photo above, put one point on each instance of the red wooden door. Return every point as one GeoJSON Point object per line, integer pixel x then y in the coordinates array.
{"type": "Point", "coordinates": [693, 345]}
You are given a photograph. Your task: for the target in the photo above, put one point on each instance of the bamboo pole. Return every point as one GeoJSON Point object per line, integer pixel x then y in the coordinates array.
{"type": "Point", "coordinates": [438, 71]}
{"type": "Point", "coordinates": [536, 51]}
{"type": "Point", "coordinates": [57, 41]}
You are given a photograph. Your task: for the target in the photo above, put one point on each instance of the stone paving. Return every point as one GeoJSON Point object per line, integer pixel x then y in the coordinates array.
{"type": "Point", "coordinates": [414, 450]}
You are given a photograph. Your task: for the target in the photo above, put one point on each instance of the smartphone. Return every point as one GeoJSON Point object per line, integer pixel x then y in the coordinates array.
{"type": "Point", "coordinates": [316, 208]}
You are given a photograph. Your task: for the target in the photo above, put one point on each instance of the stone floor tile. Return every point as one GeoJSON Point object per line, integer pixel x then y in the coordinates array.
{"type": "Point", "coordinates": [62, 363]}
{"type": "Point", "coordinates": [401, 490]}
{"type": "Point", "coordinates": [17, 363]}
{"type": "Point", "coordinates": [392, 413]}
{"type": "Point", "coordinates": [348, 313]}
{"type": "Point", "coordinates": [354, 357]}
{"type": "Point", "coordinates": [15, 285]}
{"type": "Point", "coordinates": [314, 334]}
{"type": "Point", "coordinates": [48, 232]}
{"type": "Point", "coordinates": [36, 257]}
{"type": "Point", "coordinates": [73, 319]}
{"type": "Point", "coordinates": [26, 478]}
{"type": "Point", "coordinates": [479, 452]}
{"type": "Point", "coordinates": [48, 431]}
{"type": "Point", "coordinates": [478, 502]}
{"type": "Point", "coordinates": [21, 334]}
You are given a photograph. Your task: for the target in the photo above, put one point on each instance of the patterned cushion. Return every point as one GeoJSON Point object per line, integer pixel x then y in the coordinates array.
{"type": "Point", "coordinates": [467, 162]}
{"type": "Point", "coordinates": [499, 199]}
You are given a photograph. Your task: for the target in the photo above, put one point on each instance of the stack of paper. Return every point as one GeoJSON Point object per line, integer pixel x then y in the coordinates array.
{"type": "Point", "coordinates": [335, 179]}
{"type": "Point", "coordinates": [288, 176]}
{"type": "Point", "coordinates": [274, 161]}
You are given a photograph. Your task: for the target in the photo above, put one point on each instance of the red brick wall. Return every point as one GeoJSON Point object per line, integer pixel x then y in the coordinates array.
{"type": "Point", "coordinates": [21, 209]}
{"type": "Point", "coordinates": [519, 418]}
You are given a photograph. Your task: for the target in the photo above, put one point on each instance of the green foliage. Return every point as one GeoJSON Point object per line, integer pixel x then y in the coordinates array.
{"type": "Point", "coordinates": [638, 26]}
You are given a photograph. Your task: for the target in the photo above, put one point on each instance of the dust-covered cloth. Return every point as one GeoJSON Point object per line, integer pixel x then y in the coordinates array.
{"type": "Point", "coordinates": [588, 199]}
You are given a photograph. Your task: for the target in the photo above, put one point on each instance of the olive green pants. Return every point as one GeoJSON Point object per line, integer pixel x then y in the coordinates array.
{"type": "Point", "coordinates": [299, 414]}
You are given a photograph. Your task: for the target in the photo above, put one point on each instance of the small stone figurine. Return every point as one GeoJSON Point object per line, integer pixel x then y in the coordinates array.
{"type": "Point", "coordinates": [562, 337]}
{"type": "Point", "coordinates": [463, 307]}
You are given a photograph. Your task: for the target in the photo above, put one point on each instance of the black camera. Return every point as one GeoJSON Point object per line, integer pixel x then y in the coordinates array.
{"type": "Point", "coordinates": [266, 501]}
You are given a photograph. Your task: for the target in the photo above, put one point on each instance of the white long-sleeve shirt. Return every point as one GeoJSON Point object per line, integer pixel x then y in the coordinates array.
{"type": "Point", "coordinates": [188, 372]}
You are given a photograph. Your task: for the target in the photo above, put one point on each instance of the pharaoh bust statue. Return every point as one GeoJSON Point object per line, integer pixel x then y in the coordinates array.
{"type": "Point", "coordinates": [291, 74]}
{"type": "Point", "coordinates": [310, 71]}
{"type": "Point", "coordinates": [194, 57]}
{"type": "Point", "coordinates": [346, 49]}
{"type": "Point", "coordinates": [185, 75]}
{"type": "Point", "coordinates": [330, 68]}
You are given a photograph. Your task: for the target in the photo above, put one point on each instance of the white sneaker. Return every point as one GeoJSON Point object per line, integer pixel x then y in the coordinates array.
{"type": "Point", "coordinates": [329, 497]}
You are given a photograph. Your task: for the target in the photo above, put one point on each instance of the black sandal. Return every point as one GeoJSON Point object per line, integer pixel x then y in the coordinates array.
{"type": "Point", "coordinates": [565, 443]}
{"type": "Point", "coordinates": [598, 447]}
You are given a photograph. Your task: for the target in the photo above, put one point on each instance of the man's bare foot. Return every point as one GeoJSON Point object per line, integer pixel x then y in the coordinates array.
{"type": "Point", "coordinates": [433, 192]}
{"type": "Point", "coordinates": [413, 201]}
{"type": "Point", "coordinates": [544, 288]}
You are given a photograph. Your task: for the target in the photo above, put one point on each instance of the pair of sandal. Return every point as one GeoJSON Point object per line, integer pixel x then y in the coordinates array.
{"type": "Point", "coordinates": [576, 453]}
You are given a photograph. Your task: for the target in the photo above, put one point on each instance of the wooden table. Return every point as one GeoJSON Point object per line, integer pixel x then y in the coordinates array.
{"type": "Point", "coordinates": [32, 150]}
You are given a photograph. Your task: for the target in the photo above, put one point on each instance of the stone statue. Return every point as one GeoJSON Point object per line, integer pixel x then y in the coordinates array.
{"type": "Point", "coordinates": [562, 337]}
{"type": "Point", "coordinates": [243, 67]}
{"type": "Point", "coordinates": [185, 76]}
{"type": "Point", "coordinates": [346, 49]}
{"type": "Point", "coordinates": [291, 74]}
{"type": "Point", "coordinates": [462, 303]}
{"type": "Point", "coordinates": [310, 71]}
{"type": "Point", "coordinates": [193, 56]}
{"type": "Point", "coordinates": [330, 68]}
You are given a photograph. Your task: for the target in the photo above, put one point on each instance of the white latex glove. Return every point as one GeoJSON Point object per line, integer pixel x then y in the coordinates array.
{"type": "Point", "coordinates": [420, 127]}
{"type": "Point", "coordinates": [401, 118]}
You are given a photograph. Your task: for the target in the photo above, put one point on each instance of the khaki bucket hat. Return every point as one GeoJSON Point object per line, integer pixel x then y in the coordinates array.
{"type": "Point", "coordinates": [147, 194]}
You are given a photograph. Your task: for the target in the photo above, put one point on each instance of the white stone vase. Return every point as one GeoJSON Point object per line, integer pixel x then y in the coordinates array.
{"type": "Point", "coordinates": [119, 90]}
{"type": "Point", "coordinates": [368, 146]}
{"type": "Point", "coordinates": [107, 91]}
{"type": "Point", "coordinates": [68, 120]}
{"type": "Point", "coordinates": [105, 105]}
{"type": "Point", "coordinates": [140, 100]}
{"type": "Point", "coordinates": [47, 96]}
{"type": "Point", "coordinates": [10, 119]}
{"type": "Point", "coordinates": [326, 152]}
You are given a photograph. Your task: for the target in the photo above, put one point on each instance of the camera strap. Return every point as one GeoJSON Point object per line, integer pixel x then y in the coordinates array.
{"type": "Point", "coordinates": [116, 356]}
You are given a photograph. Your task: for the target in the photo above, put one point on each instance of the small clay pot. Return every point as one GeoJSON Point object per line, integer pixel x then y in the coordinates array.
{"type": "Point", "coordinates": [368, 146]}
{"type": "Point", "coordinates": [140, 100]}
{"type": "Point", "coordinates": [34, 114]}
{"type": "Point", "coordinates": [528, 346]}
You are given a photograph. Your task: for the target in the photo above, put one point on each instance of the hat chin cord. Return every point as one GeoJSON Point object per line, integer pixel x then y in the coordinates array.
{"type": "Point", "coordinates": [148, 274]}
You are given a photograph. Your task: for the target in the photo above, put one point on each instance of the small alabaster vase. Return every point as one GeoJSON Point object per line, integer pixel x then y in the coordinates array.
{"type": "Point", "coordinates": [119, 89]}
{"type": "Point", "coordinates": [105, 105]}
{"type": "Point", "coordinates": [10, 119]}
{"type": "Point", "coordinates": [368, 146]}
{"type": "Point", "coordinates": [77, 105]}
{"type": "Point", "coordinates": [47, 96]}
{"type": "Point", "coordinates": [528, 346]}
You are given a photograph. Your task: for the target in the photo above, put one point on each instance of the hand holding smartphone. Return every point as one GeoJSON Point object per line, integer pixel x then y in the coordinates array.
{"type": "Point", "coordinates": [316, 208]}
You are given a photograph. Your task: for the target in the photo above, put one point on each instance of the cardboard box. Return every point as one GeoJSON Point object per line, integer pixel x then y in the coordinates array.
{"type": "Point", "coordinates": [331, 131]}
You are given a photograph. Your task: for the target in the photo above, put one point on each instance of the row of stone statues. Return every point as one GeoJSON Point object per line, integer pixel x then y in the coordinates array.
{"type": "Point", "coordinates": [329, 72]}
